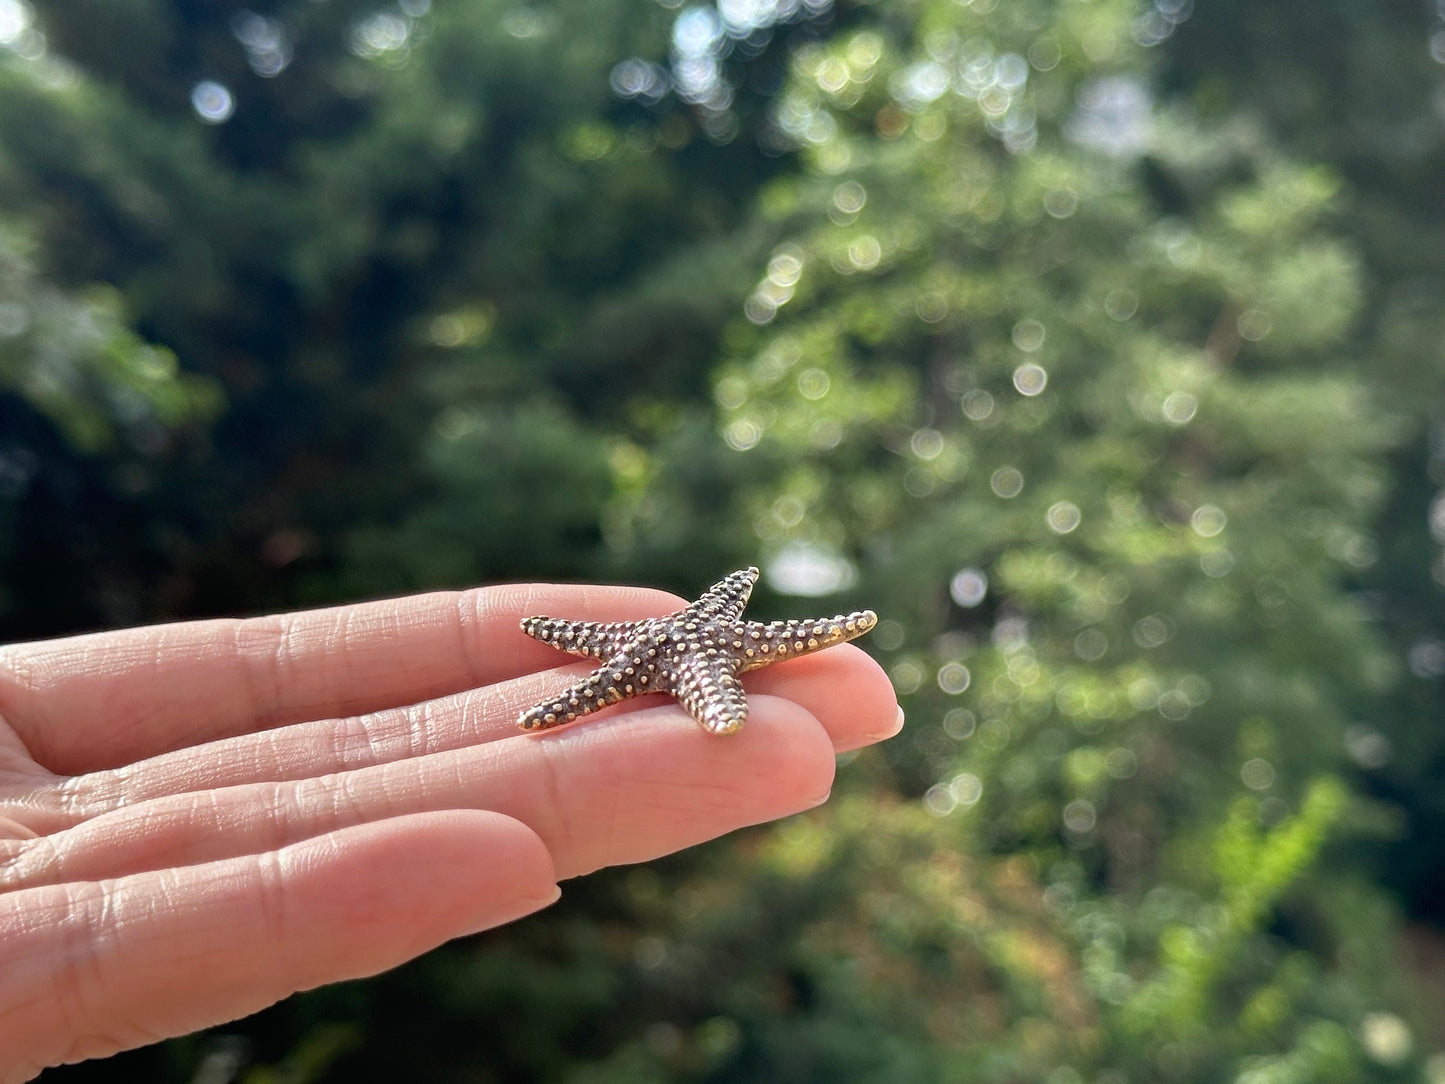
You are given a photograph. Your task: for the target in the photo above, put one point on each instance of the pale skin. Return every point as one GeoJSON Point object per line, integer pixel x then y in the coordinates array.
{"type": "Point", "coordinates": [199, 820]}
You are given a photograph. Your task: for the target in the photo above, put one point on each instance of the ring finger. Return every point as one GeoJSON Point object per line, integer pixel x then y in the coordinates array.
{"type": "Point", "coordinates": [843, 688]}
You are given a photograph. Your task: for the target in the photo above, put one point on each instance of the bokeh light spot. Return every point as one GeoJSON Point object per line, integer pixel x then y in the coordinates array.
{"type": "Point", "coordinates": [1091, 645]}
{"type": "Point", "coordinates": [919, 481]}
{"type": "Point", "coordinates": [1045, 54]}
{"type": "Point", "coordinates": [1386, 1038]}
{"type": "Point", "coordinates": [849, 197]}
{"type": "Point", "coordinates": [1121, 304]}
{"type": "Point", "coordinates": [1114, 116]}
{"type": "Point", "coordinates": [966, 788]}
{"type": "Point", "coordinates": [759, 308]}
{"type": "Point", "coordinates": [825, 433]}
{"type": "Point", "coordinates": [959, 723]}
{"type": "Point", "coordinates": [786, 267]}
{"type": "Point", "coordinates": [1174, 705]}
{"type": "Point", "coordinates": [809, 571]}
{"type": "Point", "coordinates": [1179, 407]}
{"type": "Point", "coordinates": [1121, 763]}
{"type": "Point", "coordinates": [968, 587]}
{"type": "Point", "coordinates": [977, 405]}
{"type": "Point", "coordinates": [954, 678]}
{"type": "Point", "coordinates": [16, 17]}
{"type": "Point", "coordinates": [1063, 517]}
{"type": "Point", "coordinates": [1208, 520]}
{"type": "Point", "coordinates": [639, 79]}
{"type": "Point", "coordinates": [1029, 335]}
{"type": "Point", "coordinates": [926, 443]}
{"type": "Point", "coordinates": [1007, 482]}
{"type": "Point", "coordinates": [813, 384]}
{"type": "Point", "coordinates": [1079, 817]}
{"type": "Point", "coordinates": [268, 49]}
{"type": "Point", "coordinates": [1257, 774]}
{"type": "Point", "coordinates": [832, 75]}
{"type": "Point", "coordinates": [1030, 379]}
{"type": "Point", "coordinates": [379, 34]}
{"type": "Point", "coordinates": [865, 252]}
{"type": "Point", "coordinates": [1427, 658]}
{"type": "Point", "coordinates": [212, 102]}
{"type": "Point", "coordinates": [1060, 202]}
{"type": "Point", "coordinates": [1152, 631]}
{"type": "Point", "coordinates": [742, 434]}
{"type": "Point", "coordinates": [907, 676]}
{"type": "Point", "coordinates": [1253, 324]}
{"type": "Point", "coordinates": [931, 308]}
{"type": "Point", "coordinates": [938, 801]}
{"type": "Point", "coordinates": [889, 635]}
{"type": "Point", "coordinates": [1216, 564]}
{"type": "Point", "coordinates": [1367, 747]}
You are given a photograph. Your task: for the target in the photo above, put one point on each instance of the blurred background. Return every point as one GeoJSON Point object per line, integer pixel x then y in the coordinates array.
{"type": "Point", "coordinates": [1098, 344]}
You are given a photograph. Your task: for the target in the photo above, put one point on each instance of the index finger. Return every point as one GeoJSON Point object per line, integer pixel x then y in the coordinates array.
{"type": "Point", "coordinates": [106, 699]}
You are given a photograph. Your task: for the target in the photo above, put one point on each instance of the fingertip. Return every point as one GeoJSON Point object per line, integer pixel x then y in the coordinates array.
{"type": "Point", "coordinates": [489, 842]}
{"type": "Point", "coordinates": [647, 782]}
{"type": "Point", "coordinates": [793, 732]}
{"type": "Point", "coordinates": [845, 688]}
{"type": "Point", "coordinates": [897, 727]}
{"type": "Point", "coordinates": [447, 873]}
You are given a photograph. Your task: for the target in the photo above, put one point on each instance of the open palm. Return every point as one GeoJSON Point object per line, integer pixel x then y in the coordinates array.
{"type": "Point", "coordinates": [198, 820]}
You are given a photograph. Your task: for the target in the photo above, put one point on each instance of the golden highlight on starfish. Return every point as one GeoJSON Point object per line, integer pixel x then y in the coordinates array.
{"type": "Point", "coordinates": [695, 654]}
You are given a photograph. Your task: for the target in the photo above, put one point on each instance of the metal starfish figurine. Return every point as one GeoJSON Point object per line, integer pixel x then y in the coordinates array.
{"type": "Point", "coordinates": [695, 655]}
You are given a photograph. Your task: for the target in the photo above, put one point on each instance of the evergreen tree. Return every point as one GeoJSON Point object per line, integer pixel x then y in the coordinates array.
{"type": "Point", "coordinates": [392, 240]}
{"type": "Point", "coordinates": [1362, 90]}
{"type": "Point", "coordinates": [1091, 431]}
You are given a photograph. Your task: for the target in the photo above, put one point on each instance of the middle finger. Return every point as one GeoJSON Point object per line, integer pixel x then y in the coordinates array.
{"type": "Point", "coordinates": [622, 790]}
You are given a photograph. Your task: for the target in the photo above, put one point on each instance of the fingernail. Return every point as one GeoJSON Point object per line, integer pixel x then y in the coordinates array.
{"type": "Point", "coordinates": [883, 735]}
{"type": "Point", "coordinates": [521, 908]}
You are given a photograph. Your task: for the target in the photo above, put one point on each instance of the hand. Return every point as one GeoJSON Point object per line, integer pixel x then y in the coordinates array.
{"type": "Point", "coordinates": [198, 820]}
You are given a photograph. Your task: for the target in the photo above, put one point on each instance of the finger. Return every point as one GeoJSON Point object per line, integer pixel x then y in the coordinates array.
{"type": "Point", "coordinates": [322, 747]}
{"type": "Point", "coordinates": [110, 698]}
{"type": "Point", "coordinates": [93, 968]}
{"type": "Point", "coordinates": [621, 790]}
{"type": "Point", "coordinates": [842, 687]}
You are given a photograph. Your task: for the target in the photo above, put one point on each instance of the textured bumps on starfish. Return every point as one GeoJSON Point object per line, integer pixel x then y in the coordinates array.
{"type": "Point", "coordinates": [695, 654]}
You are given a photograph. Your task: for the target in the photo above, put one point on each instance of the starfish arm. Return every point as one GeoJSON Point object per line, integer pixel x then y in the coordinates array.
{"type": "Point", "coordinates": [709, 689]}
{"type": "Point", "coordinates": [621, 679]}
{"type": "Point", "coordinates": [590, 639]}
{"type": "Point", "coordinates": [725, 599]}
{"type": "Point", "coordinates": [778, 640]}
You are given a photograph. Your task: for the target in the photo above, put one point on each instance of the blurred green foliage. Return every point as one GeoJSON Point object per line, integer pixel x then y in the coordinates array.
{"type": "Point", "coordinates": [75, 360]}
{"type": "Point", "coordinates": [1085, 340]}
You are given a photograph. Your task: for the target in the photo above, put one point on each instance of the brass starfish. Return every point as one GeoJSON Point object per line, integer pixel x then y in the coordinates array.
{"type": "Point", "coordinates": [695, 654]}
